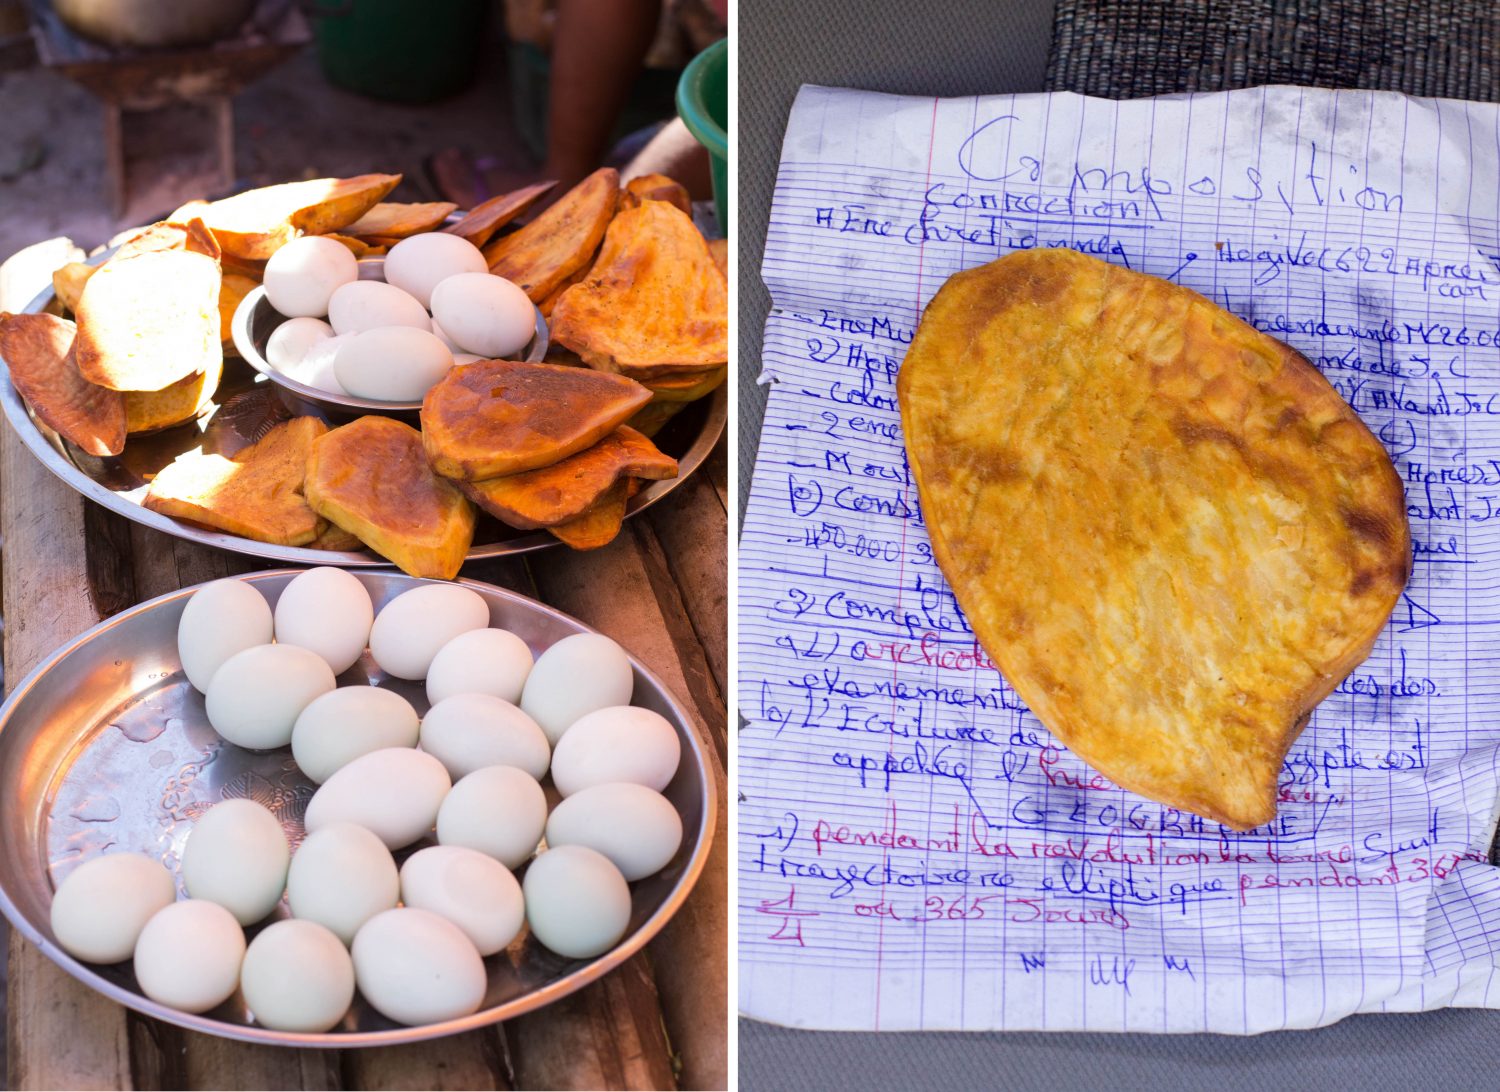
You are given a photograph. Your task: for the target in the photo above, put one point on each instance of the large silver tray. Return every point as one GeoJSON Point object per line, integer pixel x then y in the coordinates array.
{"type": "Point", "coordinates": [244, 409]}
{"type": "Point", "coordinates": [106, 744]}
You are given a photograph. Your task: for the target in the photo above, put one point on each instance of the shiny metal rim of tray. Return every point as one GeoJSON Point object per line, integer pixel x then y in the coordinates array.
{"type": "Point", "coordinates": [52, 452]}
{"type": "Point", "coordinates": [111, 711]}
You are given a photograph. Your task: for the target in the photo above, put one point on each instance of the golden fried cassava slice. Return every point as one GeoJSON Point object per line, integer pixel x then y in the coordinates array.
{"type": "Point", "coordinates": [654, 302]}
{"type": "Point", "coordinates": [147, 321]}
{"type": "Point", "coordinates": [68, 282]}
{"type": "Point", "coordinates": [567, 489]}
{"type": "Point", "coordinates": [600, 524]}
{"type": "Point", "coordinates": [1169, 531]}
{"type": "Point", "coordinates": [371, 478]}
{"type": "Point", "coordinates": [152, 411]}
{"type": "Point", "coordinates": [38, 351]}
{"type": "Point", "coordinates": [393, 220]}
{"type": "Point", "coordinates": [497, 417]}
{"type": "Point", "coordinates": [255, 224]}
{"type": "Point", "coordinates": [561, 240]}
{"type": "Point", "coordinates": [481, 222]}
{"type": "Point", "coordinates": [258, 494]}
{"type": "Point", "coordinates": [656, 187]}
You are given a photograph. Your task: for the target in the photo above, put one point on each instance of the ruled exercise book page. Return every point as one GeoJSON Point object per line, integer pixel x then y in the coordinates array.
{"type": "Point", "coordinates": [916, 850]}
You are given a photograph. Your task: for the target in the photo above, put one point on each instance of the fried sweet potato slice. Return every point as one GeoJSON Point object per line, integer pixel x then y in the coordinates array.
{"type": "Point", "coordinates": [68, 282]}
{"type": "Point", "coordinates": [567, 489]}
{"type": "Point", "coordinates": [496, 417]}
{"type": "Point", "coordinates": [394, 220]}
{"type": "Point", "coordinates": [233, 288]}
{"type": "Point", "coordinates": [561, 240]}
{"type": "Point", "coordinates": [687, 386]}
{"type": "Point", "coordinates": [191, 235]}
{"type": "Point", "coordinates": [371, 478]}
{"type": "Point", "coordinates": [258, 494]}
{"type": "Point", "coordinates": [651, 419]}
{"type": "Point", "coordinates": [545, 306]}
{"type": "Point", "coordinates": [147, 321]}
{"type": "Point", "coordinates": [1166, 527]}
{"type": "Point", "coordinates": [719, 248]}
{"type": "Point", "coordinates": [38, 351]}
{"type": "Point", "coordinates": [656, 187]}
{"type": "Point", "coordinates": [600, 524]}
{"type": "Point", "coordinates": [334, 537]}
{"type": "Point", "coordinates": [358, 247]}
{"type": "Point", "coordinates": [255, 224]}
{"type": "Point", "coordinates": [152, 411]}
{"type": "Point", "coordinates": [653, 304]}
{"type": "Point", "coordinates": [481, 222]}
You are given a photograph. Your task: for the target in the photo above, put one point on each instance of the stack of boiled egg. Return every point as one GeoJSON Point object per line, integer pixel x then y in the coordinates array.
{"type": "Point", "coordinates": [390, 340]}
{"type": "Point", "coordinates": [411, 939]}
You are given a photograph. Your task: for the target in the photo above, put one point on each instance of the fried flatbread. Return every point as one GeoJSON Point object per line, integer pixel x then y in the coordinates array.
{"type": "Point", "coordinates": [656, 187]}
{"type": "Point", "coordinates": [371, 478]}
{"type": "Point", "coordinates": [654, 302]}
{"type": "Point", "coordinates": [147, 321]}
{"type": "Point", "coordinates": [600, 524]}
{"type": "Point", "coordinates": [258, 494]}
{"type": "Point", "coordinates": [567, 489]}
{"type": "Point", "coordinates": [1166, 528]}
{"type": "Point", "coordinates": [392, 220]}
{"type": "Point", "coordinates": [561, 240]}
{"type": "Point", "coordinates": [255, 224]}
{"type": "Point", "coordinates": [481, 222]}
{"type": "Point", "coordinates": [38, 351]}
{"type": "Point", "coordinates": [496, 417]}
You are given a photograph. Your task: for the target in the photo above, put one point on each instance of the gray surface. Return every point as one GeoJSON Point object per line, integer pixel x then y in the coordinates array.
{"type": "Point", "coordinates": [947, 47]}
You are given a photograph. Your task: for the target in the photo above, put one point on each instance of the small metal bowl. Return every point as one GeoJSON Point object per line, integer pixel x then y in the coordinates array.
{"type": "Point", "coordinates": [255, 320]}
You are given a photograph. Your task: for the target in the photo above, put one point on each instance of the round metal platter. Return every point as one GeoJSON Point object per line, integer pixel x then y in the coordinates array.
{"type": "Point", "coordinates": [106, 746]}
{"type": "Point", "coordinates": [246, 406]}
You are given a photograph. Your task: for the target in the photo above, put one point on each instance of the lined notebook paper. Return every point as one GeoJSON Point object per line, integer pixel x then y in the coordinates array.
{"type": "Point", "coordinates": [916, 850]}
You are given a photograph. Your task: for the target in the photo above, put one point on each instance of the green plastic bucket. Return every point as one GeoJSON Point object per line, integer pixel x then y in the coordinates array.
{"type": "Point", "coordinates": [397, 50]}
{"type": "Point", "coordinates": [703, 103]}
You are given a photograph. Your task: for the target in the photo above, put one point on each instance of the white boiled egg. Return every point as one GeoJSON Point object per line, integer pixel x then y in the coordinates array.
{"type": "Point", "coordinates": [316, 368]}
{"type": "Point", "coordinates": [297, 976]}
{"type": "Point", "coordinates": [499, 810]}
{"type": "Point", "coordinates": [577, 903]}
{"type": "Point", "coordinates": [328, 611]}
{"type": "Point", "coordinates": [391, 363]}
{"type": "Point", "coordinates": [290, 342]}
{"type": "Point", "coordinates": [468, 732]}
{"type": "Point", "coordinates": [341, 877]}
{"type": "Point", "coordinates": [484, 314]}
{"type": "Point", "coordinates": [637, 828]}
{"type": "Point", "coordinates": [189, 955]}
{"type": "Point", "coordinates": [219, 620]}
{"type": "Point", "coordinates": [339, 726]}
{"type": "Point", "coordinates": [255, 698]}
{"type": "Point", "coordinates": [104, 903]}
{"type": "Point", "coordinates": [481, 661]}
{"type": "Point", "coordinates": [237, 856]}
{"type": "Point", "coordinates": [416, 967]}
{"type": "Point", "coordinates": [366, 305]}
{"type": "Point", "coordinates": [394, 793]}
{"type": "Point", "coordinates": [411, 629]}
{"type": "Point", "coordinates": [302, 275]}
{"type": "Point", "coordinates": [474, 892]}
{"type": "Point", "coordinates": [579, 674]}
{"type": "Point", "coordinates": [621, 743]}
{"type": "Point", "coordinates": [420, 263]}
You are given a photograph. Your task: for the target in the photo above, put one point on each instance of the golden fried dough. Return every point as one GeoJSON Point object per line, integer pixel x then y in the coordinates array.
{"type": "Point", "coordinates": [1168, 530]}
{"type": "Point", "coordinates": [561, 240]}
{"type": "Point", "coordinates": [481, 222]}
{"type": "Point", "coordinates": [654, 302]}
{"type": "Point", "coordinates": [396, 221]}
{"type": "Point", "coordinates": [656, 187]}
{"type": "Point", "coordinates": [255, 224]}
{"type": "Point", "coordinates": [600, 524]}
{"type": "Point", "coordinates": [38, 352]}
{"type": "Point", "coordinates": [147, 321]}
{"type": "Point", "coordinates": [371, 478]}
{"type": "Point", "coordinates": [496, 417]}
{"type": "Point", "coordinates": [258, 494]}
{"type": "Point", "coordinates": [567, 489]}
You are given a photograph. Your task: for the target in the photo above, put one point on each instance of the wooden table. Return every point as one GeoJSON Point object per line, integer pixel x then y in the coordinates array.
{"type": "Point", "coordinates": [659, 1021]}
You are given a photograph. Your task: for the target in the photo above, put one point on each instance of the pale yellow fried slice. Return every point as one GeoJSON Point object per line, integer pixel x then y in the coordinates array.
{"type": "Point", "coordinates": [496, 417]}
{"type": "Point", "coordinates": [656, 187]}
{"type": "Point", "coordinates": [152, 411]}
{"type": "Point", "coordinates": [68, 282]}
{"type": "Point", "coordinates": [686, 386]}
{"type": "Point", "coordinates": [255, 224]}
{"type": "Point", "coordinates": [654, 302]}
{"type": "Point", "coordinates": [600, 524]}
{"type": "Point", "coordinates": [561, 240]}
{"type": "Point", "coordinates": [481, 222]}
{"type": "Point", "coordinates": [38, 352]}
{"type": "Point", "coordinates": [147, 321]}
{"type": "Point", "coordinates": [233, 288]}
{"type": "Point", "coordinates": [567, 489]}
{"type": "Point", "coordinates": [1166, 528]}
{"type": "Point", "coordinates": [371, 478]}
{"type": "Point", "coordinates": [258, 494]}
{"type": "Point", "coordinates": [394, 220]}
